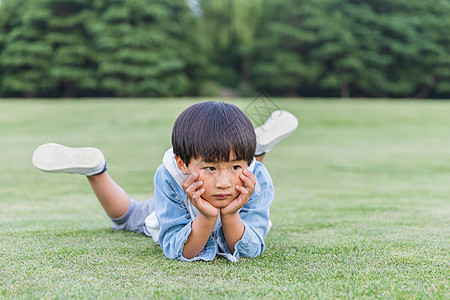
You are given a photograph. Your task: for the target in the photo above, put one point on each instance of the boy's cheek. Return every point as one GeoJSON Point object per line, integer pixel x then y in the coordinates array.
{"type": "Point", "coordinates": [201, 177]}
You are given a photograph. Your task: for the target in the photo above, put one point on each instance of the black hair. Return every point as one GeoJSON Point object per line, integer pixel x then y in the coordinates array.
{"type": "Point", "coordinates": [213, 130]}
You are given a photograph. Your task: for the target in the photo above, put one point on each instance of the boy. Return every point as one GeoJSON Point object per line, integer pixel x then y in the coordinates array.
{"type": "Point", "coordinates": [212, 197]}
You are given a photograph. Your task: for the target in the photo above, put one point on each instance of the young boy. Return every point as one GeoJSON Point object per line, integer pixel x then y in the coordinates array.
{"type": "Point", "coordinates": [212, 196]}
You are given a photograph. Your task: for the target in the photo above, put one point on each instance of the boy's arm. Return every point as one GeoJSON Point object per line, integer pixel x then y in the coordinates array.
{"type": "Point", "coordinates": [232, 225]}
{"type": "Point", "coordinates": [254, 216]}
{"type": "Point", "coordinates": [174, 219]}
{"type": "Point", "coordinates": [233, 229]}
{"type": "Point", "coordinates": [201, 229]}
{"type": "Point", "coordinates": [204, 222]}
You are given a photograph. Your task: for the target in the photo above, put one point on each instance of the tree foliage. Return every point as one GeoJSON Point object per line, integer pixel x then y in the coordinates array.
{"type": "Point", "coordinates": [354, 48]}
{"type": "Point", "coordinates": [373, 48]}
{"type": "Point", "coordinates": [283, 47]}
{"type": "Point", "coordinates": [338, 47]}
{"type": "Point", "coordinates": [231, 28]}
{"type": "Point", "coordinates": [83, 47]}
{"type": "Point", "coordinates": [141, 50]}
{"type": "Point", "coordinates": [24, 56]}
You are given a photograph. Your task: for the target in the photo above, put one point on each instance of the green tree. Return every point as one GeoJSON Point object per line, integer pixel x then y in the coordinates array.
{"type": "Point", "coordinates": [98, 48]}
{"type": "Point", "coordinates": [282, 64]}
{"type": "Point", "coordinates": [432, 29]}
{"type": "Point", "coordinates": [353, 48]}
{"type": "Point", "coordinates": [392, 48]}
{"type": "Point", "coordinates": [47, 50]}
{"type": "Point", "coordinates": [144, 48]}
{"type": "Point", "coordinates": [73, 64]}
{"type": "Point", "coordinates": [230, 28]}
{"type": "Point", "coordinates": [348, 48]}
{"type": "Point", "coordinates": [24, 55]}
{"type": "Point", "coordinates": [285, 47]}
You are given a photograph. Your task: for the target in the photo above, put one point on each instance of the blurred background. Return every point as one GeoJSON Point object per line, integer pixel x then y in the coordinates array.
{"type": "Point", "coordinates": [295, 48]}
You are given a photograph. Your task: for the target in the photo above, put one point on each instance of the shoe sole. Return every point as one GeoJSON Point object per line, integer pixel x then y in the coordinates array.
{"type": "Point", "coordinates": [275, 134]}
{"type": "Point", "coordinates": [61, 159]}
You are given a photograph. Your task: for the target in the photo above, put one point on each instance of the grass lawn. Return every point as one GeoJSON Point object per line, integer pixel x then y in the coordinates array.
{"type": "Point", "coordinates": [362, 205]}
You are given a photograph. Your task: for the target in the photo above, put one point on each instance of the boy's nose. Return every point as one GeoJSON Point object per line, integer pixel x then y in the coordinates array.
{"type": "Point", "coordinates": [223, 181]}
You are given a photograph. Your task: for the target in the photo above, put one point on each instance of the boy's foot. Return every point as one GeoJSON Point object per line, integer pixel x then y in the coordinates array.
{"type": "Point", "coordinates": [279, 125]}
{"type": "Point", "coordinates": [61, 159]}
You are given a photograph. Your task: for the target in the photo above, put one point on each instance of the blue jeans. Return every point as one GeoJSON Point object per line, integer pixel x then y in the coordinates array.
{"type": "Point", "coordinates": [134, 219]}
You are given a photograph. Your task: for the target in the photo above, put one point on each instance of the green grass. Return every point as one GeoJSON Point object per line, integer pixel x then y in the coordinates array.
{"type": "Point", "coordinates": [362, 206]}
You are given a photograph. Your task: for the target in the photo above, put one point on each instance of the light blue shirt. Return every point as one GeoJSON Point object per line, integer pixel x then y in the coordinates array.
{"type": "Point", "coordinates": [170, 224]}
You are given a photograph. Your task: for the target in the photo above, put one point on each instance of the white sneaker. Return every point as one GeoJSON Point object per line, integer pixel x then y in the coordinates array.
{"type": "Point", "coordinates": [279, 125]}
{"type": "Point", "coordinates": [57, 158]}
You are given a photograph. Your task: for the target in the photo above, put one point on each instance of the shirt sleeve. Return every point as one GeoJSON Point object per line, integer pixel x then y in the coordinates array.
{"type": "Point", "coordinates": [256, 217]}
{"type": "Point", "coordinates": [174, 219]}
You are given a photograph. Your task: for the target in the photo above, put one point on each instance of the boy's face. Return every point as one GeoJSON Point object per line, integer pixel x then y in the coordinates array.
{"type": "Point", "coordinates": [219, 178]}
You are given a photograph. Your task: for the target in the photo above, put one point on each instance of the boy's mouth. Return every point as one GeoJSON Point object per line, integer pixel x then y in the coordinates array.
{"type": "Point", "coordinates": [221, 196]}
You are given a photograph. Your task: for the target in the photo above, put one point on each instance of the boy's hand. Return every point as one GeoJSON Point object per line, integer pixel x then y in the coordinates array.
{"type": "Point", "coordinates": [193, 190]}
{"type": "Point", "coordinates": [249, 180]}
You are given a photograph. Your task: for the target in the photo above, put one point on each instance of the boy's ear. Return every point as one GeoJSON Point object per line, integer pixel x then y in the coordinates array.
{"type": "Point", "coordinates": [181, 165]}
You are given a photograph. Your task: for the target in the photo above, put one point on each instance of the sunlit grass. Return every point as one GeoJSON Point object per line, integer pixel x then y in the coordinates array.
{"type": "Point", "coordinates": [362, 204]}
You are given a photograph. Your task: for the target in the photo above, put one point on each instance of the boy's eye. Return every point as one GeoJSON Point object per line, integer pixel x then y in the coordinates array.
{"type": "Point", "coordinates": [210, 168]}
{"type": "Point", "coordinates": [236, 167]}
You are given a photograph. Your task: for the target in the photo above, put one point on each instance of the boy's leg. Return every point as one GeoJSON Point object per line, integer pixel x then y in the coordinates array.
{"type": "Point", "coordinates": [111, 196]}
{"type": "Point", "coordinates": [56, 158]}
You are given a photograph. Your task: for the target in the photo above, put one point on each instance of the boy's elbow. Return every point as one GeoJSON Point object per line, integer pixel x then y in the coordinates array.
{"type": "Point", "coordinates": [252, 250]}
{"type": "Point", "coordinates": [189, 254]}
